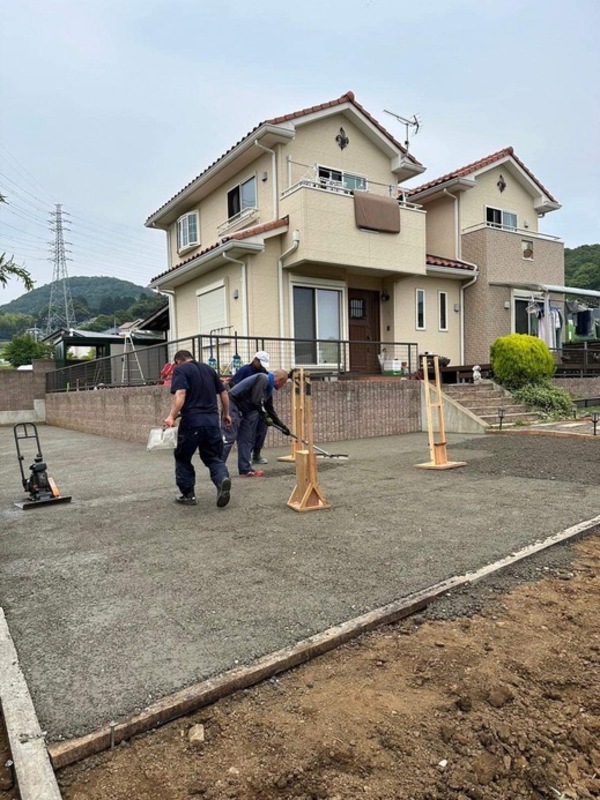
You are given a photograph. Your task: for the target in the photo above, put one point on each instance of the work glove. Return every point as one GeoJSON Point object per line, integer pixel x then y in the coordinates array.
{"type": "Point", "coordinates": [285, 430]}
{"type": "Point", "coordinates": [268, 421]}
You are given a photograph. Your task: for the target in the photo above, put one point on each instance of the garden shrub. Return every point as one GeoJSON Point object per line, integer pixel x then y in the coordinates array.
{"type": "Point", "coordinates": [518, 360]}
{"type": "Point", "coordinates": [546, 398]}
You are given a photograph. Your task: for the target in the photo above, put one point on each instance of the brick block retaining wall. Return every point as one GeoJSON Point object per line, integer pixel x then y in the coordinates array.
{"type": "Point", "coordinates": [19, 388]}
{"type": "Point", "coordinates": [341, 410]}
{"type": "Point", "coordinates": [580, 388]}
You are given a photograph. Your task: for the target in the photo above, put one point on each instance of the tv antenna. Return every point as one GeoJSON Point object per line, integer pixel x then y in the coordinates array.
{"type": "Point", "coordinates": [415, 122]}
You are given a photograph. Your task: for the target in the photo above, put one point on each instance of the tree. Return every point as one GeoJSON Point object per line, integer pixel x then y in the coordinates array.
{"type": "Point", "coordinates": [8, 268]}
{"type": "Point", "coordinates": [23, 349]}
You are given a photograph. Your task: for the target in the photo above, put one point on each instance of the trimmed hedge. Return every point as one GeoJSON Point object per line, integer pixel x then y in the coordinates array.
{"type": "Point", "coordinates": [519, 359]}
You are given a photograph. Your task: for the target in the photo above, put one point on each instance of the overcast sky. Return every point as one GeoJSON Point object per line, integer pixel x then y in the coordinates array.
{"type": "Point", "coordinates": [109, 107]}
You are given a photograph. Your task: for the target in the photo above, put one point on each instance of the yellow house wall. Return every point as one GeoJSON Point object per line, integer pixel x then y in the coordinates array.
{"type": "Point", "coordinates": [315, 144]}
{"type": "Point", "coordinates": [443, 343]}
{"type": "Point", "coordinates": [328, 234]}
{"type": "Point", "coordinates": [514, 198]}
{"type": "Point", "coordinates": [213, 209]}
{"type": "Point", "coordinates": [441, 228]}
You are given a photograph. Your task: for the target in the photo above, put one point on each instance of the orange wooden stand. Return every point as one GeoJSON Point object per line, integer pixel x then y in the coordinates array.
{"type": "Point", "coordinates": [437, 450]}
{"type": "Point", "coordinates": [307, 494]}
{"type": "Point", "coordinates": [296, 444]}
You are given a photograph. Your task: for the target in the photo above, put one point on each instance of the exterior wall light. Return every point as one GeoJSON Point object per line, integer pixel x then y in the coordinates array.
{"type": "Point", "coordinates": [500, 417]}
{"type": "Point", "coordinates": [595, 418]}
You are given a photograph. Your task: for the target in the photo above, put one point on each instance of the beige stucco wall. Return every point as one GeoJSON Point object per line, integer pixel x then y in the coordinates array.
{"type": "Point", "coordinates": [441, 227]}
{"type": "Point", "coordinates": [328, 234]}
{"type": "Point", "coordinates": [315, 143]}
{"type": "Point", "coordinates": [499, 257]}
{"type": "Point", "coordinates": [514, 198]}
{"type": "Point", "coordinates": [444, 343]}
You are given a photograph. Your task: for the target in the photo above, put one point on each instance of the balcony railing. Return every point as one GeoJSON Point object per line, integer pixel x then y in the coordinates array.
{"type": "Point", "coordinates": [326, 359]}
{"type": "Point", "coordinates": [525, 232]}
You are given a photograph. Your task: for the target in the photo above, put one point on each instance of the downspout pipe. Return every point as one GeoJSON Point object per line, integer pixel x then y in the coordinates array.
{"type": "Point", "coordinates": [244, 271]}
{"type": "Point", "coordinates": [274, 170]}
{"type": "Point", "coordinates": [282, 257]}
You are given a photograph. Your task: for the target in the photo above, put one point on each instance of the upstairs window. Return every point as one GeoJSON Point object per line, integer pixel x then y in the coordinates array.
{"type": "Point", "coordinates": [336, 179]}
{"type": "Point", "coordinates": [188, 231]}
{"type": "Point", "coordinates": [501, 219]}
{"type": "Point", "coordinates": [241, 197]}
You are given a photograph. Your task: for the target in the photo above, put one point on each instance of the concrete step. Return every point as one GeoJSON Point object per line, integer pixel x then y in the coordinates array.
{"type": "Point", "coordinates": [493, 409]}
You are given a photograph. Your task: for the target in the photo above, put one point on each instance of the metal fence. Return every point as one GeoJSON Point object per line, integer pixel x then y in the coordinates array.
{"type": "Point", "coordinates": [326, 358]}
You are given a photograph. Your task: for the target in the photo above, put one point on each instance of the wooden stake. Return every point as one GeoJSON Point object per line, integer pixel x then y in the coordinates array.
{"type": "Point", "coordinates": [307, 495]}
{"type": "Point", "coordinates": [295, 443]}
{"type": "Point", "coordinates": [437, 450]}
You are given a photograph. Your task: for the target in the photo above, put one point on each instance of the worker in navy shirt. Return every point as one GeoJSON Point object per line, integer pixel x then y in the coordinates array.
{"type": "Point", "coordinates": [260, 363]}
{"type": "Point", "coordinates": [195, 388]}
{"type": "Point", "coordinates": [250, 399]}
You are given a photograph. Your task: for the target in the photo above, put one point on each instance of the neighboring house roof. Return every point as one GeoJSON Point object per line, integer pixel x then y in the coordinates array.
{"type": "Point", "coordinates": [476, 166]}
{"type": "Point", "coordinates": [451, 263]}
{"type": "Point", "coordinates": [274, 124]}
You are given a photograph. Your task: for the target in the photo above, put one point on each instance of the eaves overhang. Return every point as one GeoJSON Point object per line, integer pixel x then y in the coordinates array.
{"type": "Point", "coordinates": [452, 272]}
{"type": "Point", "coordinates": [547, 287]}
{"type": "Point", "coordinates": [205, 262]}
{"type": "Point", "coordinates": [226, 167]}
{"type": "Point", "coordinates": [435, 192]}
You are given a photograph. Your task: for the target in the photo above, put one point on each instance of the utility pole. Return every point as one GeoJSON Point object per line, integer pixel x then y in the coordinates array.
{"type": "Point", "coordinates": [60, 307]}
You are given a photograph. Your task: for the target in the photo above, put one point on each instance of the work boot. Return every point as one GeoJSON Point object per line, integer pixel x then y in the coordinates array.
{"type": "Point", "coordinates": [187, 499]}
{"type": "Point", "coordinates": [258, 459]}
{"type": "Point", "coordinates": [223, 492]}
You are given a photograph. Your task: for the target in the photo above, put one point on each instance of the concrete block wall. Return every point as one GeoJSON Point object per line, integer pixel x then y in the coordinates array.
{"type": "Point", "coordinates": [580, 388]}
{"type": "Point", "coordinates": [341, 410]}
{"type": "Point", "coordinates": [22, 393]}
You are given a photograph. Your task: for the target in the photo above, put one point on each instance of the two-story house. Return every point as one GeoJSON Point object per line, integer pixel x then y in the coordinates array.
{"type": "Point", "coordinates": [298, 232]}
{"type": "Point", "coordinates": [488, 213]}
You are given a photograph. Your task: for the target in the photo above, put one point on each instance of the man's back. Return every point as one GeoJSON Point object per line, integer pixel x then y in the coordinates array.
{"type": "Point", "coordinates": [202, 385]}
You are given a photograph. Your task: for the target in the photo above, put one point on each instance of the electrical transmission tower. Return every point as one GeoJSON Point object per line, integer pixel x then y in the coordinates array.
{"type": "Point", "coordinates": [60, 307]}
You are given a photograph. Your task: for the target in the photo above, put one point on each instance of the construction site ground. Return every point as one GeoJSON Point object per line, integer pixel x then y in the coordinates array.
{"type": "Point", "coordinates": [122, 597]}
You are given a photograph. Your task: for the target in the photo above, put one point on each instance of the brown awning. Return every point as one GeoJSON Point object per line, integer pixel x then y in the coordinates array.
{"type": "Point", "coordinates": [376, 213]}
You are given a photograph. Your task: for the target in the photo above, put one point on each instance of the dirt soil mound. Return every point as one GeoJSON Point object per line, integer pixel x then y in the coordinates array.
{"type": "Point", "coordinates": [492, 693]}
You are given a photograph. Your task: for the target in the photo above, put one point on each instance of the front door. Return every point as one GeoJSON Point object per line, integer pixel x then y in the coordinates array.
{"type": "Point", "coordinates": [363, 329]}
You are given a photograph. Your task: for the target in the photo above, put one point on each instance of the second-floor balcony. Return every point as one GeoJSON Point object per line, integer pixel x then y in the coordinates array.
{"type": "Point", "coordinates": [323, 212]}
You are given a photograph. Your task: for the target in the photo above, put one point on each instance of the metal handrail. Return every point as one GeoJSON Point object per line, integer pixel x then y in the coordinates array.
{"type": "Point", "coordinates": [326, 358]}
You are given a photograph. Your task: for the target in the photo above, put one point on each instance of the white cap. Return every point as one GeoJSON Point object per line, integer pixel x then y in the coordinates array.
{"type": "Point", "coordinates": [263, 358]}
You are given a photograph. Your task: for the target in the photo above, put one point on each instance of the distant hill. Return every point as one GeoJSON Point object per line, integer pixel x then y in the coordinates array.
{"type": "Point", "coordinates": [582, 266]}
{"type": "Point", "coordinates": [101, 295]}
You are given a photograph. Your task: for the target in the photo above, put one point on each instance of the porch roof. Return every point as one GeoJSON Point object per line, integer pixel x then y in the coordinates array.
{"type": "Point", "coordinates": [546, 287]}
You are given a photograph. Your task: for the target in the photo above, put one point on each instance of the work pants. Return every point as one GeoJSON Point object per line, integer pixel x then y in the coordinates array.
{"type": "Point", "coordinates": [208, 442]}
{"type": "Point", "coordinates": [242, 431]}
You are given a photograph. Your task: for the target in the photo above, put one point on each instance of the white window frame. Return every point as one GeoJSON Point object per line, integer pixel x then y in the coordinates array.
{"type": "Point", "coordinates": [333, 184]}
{"type": "Point", "coordinates": [184, 242]}
{"type": "Point", "coordinates": [319, 283]}
{"type": "Point", "coordinates": [423, 293]}
{"type": "Point", "coordinates": [243, 208]}
{"type": "Point", "coordinates": [442, 296]}
{"type": "Point", "coordinates": [503, 226]}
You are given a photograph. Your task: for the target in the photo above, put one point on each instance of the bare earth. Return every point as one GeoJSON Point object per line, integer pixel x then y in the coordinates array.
{"type": "Point", "coordinates": [490, 694]}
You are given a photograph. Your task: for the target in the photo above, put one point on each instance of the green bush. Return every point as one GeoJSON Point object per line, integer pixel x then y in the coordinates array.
{"type": "Point", "coordinates": [546, 398]}
{"type": "Point", "coordinates": [23, 349]}
{"type": "Point", "coordinates": [519, 359]}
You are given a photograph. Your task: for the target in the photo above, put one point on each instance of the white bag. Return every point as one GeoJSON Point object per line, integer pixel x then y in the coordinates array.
{"type": "Point", "coordinates": [162, 439]}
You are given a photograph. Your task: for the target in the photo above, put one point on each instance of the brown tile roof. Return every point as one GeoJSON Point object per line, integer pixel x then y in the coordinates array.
{"type": "Point", "coordinates": [438, 261]}
{"type": "Point", "coordinates": [256, 229]}
{"type": "Point", "coordinates": [348, 97]}
{"type": "Point", "coordinates": [245, 234]}
{"type": "Point", "coordinates": [476, 165]}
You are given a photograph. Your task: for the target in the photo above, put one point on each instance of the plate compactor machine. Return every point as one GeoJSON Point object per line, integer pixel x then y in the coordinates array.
{"type": "Point", "coordinates": [41, 487]}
